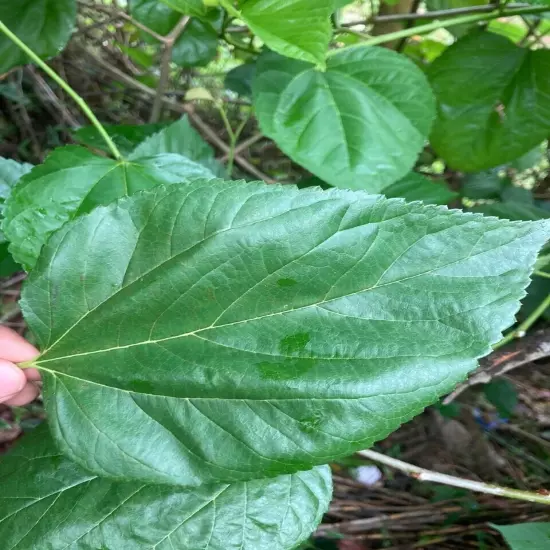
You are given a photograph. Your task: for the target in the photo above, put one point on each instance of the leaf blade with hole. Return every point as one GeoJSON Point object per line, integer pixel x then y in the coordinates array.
{"type": "Point", "coordinates": [235, 343]}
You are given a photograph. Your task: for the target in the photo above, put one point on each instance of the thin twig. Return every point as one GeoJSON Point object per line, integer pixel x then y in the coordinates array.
{"type": "Point", "coordinates": [435, 25]}
{"type": "Point", "coordinates": [421, 474]}
{"type": "Point", "coordinates": [531, 348]}
{"type": "Point", "coordinates": [205, 129]}
{"type": "Point", "coordinates": [247, 143]}
{"type": "Point", "coordinates": [166, 59]}
{"type": "Point", "coordinates": [435, 14]}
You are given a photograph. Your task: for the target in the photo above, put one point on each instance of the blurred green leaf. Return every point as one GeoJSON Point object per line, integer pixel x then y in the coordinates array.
{"type": "Point", "coordinates": [44, 25]}
{"type": "Point", "coordinates": [525, 536]}
{"type": "Point", "coordinates": [239, 79]}
{"type": "Point", "coordinates": [416, 187]}
{"type": "Point", "coordinates": [482, 185]}
{"type": "Point", "coordinates": [503, 395]}
{"type": "Point", "coordinates": [196, 46]}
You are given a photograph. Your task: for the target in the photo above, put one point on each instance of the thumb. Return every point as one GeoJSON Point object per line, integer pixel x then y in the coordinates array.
{"type": "Point", "coordinates": [12, 380]}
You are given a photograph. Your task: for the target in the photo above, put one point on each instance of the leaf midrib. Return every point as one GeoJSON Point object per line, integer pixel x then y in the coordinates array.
{"type": "Point", "coordinates": [242, 321]}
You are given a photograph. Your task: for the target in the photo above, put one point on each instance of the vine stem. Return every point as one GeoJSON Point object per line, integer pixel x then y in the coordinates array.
{"type": "Point", "coordinates": [435, 25]}
{"type": "Point", "coordinates": [428, 475]}
{"type": "Point", "coordinates": [77, 99]}
{"type": "Point", "coordinates": [526, 325]}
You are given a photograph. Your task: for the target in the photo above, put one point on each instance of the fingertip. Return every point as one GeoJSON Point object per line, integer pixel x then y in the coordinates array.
{"type": "Point", "coordinates": [24, 397]}
{"type": "Point", "coordinates": [12, 380]}
{"type": "Point", "coordinates": [32, 374]}
{"type": "Point", "coordinates": [15, 348]}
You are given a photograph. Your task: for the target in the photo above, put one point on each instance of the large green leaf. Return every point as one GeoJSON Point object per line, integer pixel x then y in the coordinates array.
{"type": "Point", "coordinates": [493, 101]}
{"type": "Point", "coordinates": [44, 25]}
{"type": "Point", "coordinates": [180, 138]}
{"type": "Point", "coordinates": [416, 187]}
{"type": "Point", "coordinates": [236, 330]}
{"type": "Point", "coordinates": [360, 124]}
{"type": "Point", "coordinates": [299, 29]}
{"type": "Point", "coordinates": [73, 181]}
{"type": "Point", "coordinates": [49, 502]}
{"type": "Point", "coordinates": [526, 536]}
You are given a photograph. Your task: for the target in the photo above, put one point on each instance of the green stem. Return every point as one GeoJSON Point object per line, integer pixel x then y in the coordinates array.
{"type": "Point", "coordinates": [77, 99]}
{"type": "Point", "coordinates": [526, 325]}
{"type": "Point", "coordinates": [435, 25]}
{"type": "Point", "coordinates": [542, 274]}
{"type": "Point", "coordinates": [230, 9]}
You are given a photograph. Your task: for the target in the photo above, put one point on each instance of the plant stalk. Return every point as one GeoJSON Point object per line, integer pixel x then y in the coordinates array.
{"type": "Point", "coordinates": [169, 41]}
{"type": "Point", "coordinates": [477, 486]}
{"type": "Point", "coordinates": [76, 98]}
{"type": "Point", "coordinates": [435, 25]}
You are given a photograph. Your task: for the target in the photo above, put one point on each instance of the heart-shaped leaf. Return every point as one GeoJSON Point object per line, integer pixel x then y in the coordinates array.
{"type": "Point", "coordinates": [492, 101]}
{"type": "Point", "coordinates": [299, 29]}
{"type": "Point", "coordinates": [360, 124]}
{"type": "Point", "coordinates": [73, 181]}
{"type": "Point", "coordinates": [49, 502]}
{"type": "Point", "coordinates": [44, 25]}
{"type": "Point", "coordinates": [229, 330]}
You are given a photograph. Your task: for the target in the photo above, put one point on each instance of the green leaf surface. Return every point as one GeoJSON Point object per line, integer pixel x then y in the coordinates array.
{"type": "Point", "coordinates": [48, 501]}
{"type": "Point", "coordinates": [416, 187]}
{"type": "Point", "coordinates": [126, 136]}
{"type": "Point", "coordinates": [299, 29]}
{"type": "Point", "coordinates": [239, 79]}
{"type": "Point", "coordinates": [196, 46]}
{"type": "Point", "coordinates": [11, 172]}
{"type": "Point", "coordinates": [525, 536]}
{"type": "Point", "coordinates": [187, 7]}
{"type": "Point", "coordinates": [8, 265]}
{"type": "Point", "coordinates": [206, 342]}
{"type": "Point", "coordinates": [503, 395]}
{"type": "Point", "coordinates": [44, 25]}
{"type": "Point", "coordinates": [155, 15]}
{"type": "Point", "coordinates": [492, 101]}
{"type": "Point", "coordinates": [182, 139]}
{"type": "Point", "coordinates": [360, 124]}
{"type": "Point", "coordinates": [511, 211]}
{"type": "Point", "coordinates": [482, 185]}
{"type": "Point", "coordinates": [73, 181]}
